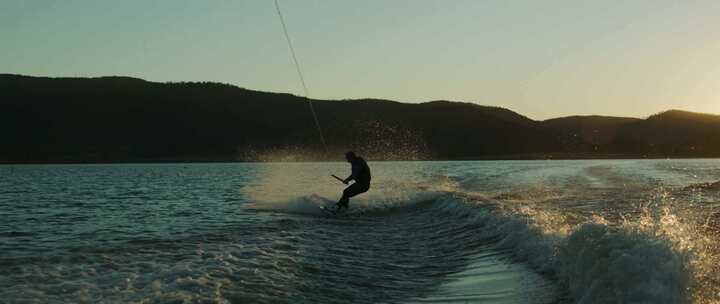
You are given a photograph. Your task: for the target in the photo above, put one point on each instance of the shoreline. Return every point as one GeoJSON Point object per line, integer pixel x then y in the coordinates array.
{"type": "Point", "coordinates": [527, 157]}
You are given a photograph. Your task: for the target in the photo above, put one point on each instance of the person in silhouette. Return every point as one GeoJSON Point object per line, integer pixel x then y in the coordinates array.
{"type": "Point", "coordinates": [360, 174]}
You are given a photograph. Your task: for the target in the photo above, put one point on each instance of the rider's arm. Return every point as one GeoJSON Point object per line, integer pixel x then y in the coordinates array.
{"type": "Point", "coordinates": [352, 175]}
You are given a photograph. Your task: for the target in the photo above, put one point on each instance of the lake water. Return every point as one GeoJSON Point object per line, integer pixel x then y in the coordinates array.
{"type": "Point", "coordinates": [599, 231]}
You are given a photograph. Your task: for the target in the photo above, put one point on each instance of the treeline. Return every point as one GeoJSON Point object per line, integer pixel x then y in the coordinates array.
{"type": "Point", "coordinates": [121, 119]}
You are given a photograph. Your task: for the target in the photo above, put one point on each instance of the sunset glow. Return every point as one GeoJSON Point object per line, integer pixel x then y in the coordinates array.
{"type": "Point", "coordinates": [541, 59]}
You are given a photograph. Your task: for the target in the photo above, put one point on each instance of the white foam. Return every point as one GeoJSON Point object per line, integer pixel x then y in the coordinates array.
{"type": "Point", "coordinates": [604, 265]}
{"type": "Point", "coordinates": [595, 262]}
{"type": "Point", "coordinates": [310, 204]}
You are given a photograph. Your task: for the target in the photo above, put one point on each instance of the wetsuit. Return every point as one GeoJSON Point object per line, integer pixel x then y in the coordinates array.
{"type": "Point", "coordinates": [361, 175]}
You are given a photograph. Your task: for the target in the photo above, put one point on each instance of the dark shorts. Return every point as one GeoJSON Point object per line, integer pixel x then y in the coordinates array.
{"type": "Point", "coordinates": [356, 189]}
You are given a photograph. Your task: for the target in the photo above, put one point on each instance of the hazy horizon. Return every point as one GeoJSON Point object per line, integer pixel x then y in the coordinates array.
{"type": "Point", "coordinates": [542, 60]}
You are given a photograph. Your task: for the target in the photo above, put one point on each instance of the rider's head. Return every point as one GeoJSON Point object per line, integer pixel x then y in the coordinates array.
{"type": "Point", "coordinates": [350, 155]}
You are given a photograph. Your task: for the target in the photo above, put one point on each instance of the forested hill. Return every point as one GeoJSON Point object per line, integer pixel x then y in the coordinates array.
{"type": "Point", "coordinates": [122, 119]}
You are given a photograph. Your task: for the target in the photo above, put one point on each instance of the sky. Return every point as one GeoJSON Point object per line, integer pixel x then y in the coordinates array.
{"type": "Point", "coordinates": [542, 59]}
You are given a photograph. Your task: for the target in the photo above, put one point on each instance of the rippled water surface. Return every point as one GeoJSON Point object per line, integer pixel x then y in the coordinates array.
{"type": "Point", "coordinates": [609, 231]}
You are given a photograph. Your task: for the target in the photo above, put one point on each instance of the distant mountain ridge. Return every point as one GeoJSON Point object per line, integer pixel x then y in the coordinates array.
{"type": "Point", "coordinates": [124, 119]}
